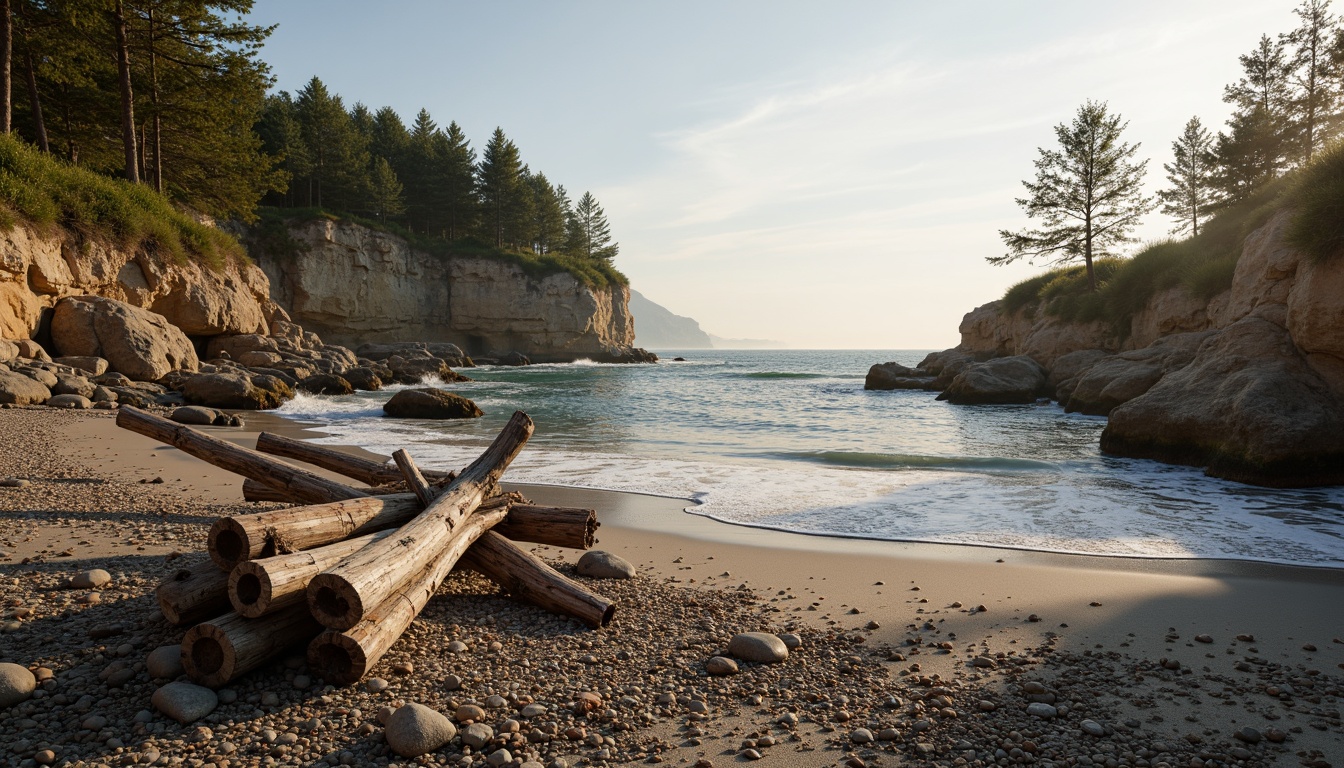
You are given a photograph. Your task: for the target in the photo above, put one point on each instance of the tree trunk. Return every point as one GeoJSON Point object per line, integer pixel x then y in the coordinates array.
{"type": "Point", "coordinates": [364, 470]}
{"type": "Point", "coordinates": [154, 102]}
{"type": "Point", "coordinates": [7, 66]}
{"type": "Point", "coordinates": [218, 651]}
{"type": "Point", "coordinates": [238, 538]}
{"type": "Point", "coordinates": [127, 97]}
{"type": "Point", "coordinates": [35, 105]}
{"type": "Point", "coordinates": [345, 594]}
{"type": "Point", "coordinates": [345, 656]}
{"type": "Point", "coordinates": [304, 485]}
{"type": "Point", "coordinates": [526, 577]}
{"type": "Point", "coordinates": [194, 593]}
{"type": "Point", "coordinates": [568, 527]}
{"type": "Point", "coordinates": [258, 587]}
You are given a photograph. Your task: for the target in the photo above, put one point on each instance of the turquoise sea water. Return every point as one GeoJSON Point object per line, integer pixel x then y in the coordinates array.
{"type": "Point", "coordinates": [789, 439]}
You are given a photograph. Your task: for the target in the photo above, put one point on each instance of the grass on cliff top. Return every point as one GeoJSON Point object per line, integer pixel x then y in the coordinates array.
{"type": "Point", "coordinates": [48, 193]}
{"type": "Point", "coordinates": [595, 274]}
{"type": "Point", "coordinates": [1318, 199]}
{"type": "Point", "coordinates": [1202, 265]}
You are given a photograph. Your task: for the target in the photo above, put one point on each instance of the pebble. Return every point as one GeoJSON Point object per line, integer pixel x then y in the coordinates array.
{"type": "Point", "coordinates": [270, 699]}
{"type": "Point", "coordinates": [499, 757]}
{"type": "Point", "coordinates": [597, 564]}
{"type": "Point", "coordinates": [1092, 728]}
{"type": "Point", "coordinates": [457, 646]}
{"type": "Point", "coordinates": [533, 710]}
{"type": "Point", "coordinates": [791, 640]}
{"type": "Point", "coordinates": [1042, 710]}
{"type": "Point", "coordinates": [720, 666]}
{"type": "Point", "coordinates": [477, 735]}
{"type": "Point", "coordinates": [165, 662]}
{"type": "Point", "coordinates": [185, 702]}
{"type": "Point", "coordinates": [301, 682]}
{"type": "Point", "coordinates": [1203, 638]}
{"type": "Point", "coordinates": [751, 754]}
{"type": "Point", "coordinates": [93, 579]}
{"type": "Point", "coordinates": [45, 757]}
{"type": "Point", "coordinates": [1248, 735]}
{"type": "Point", "coordinates": [415, 729]}
{"type": "Point", "coordinates": [469, 712]}
{"type": "Point", "coordinates": [452, 682]}
{"type": "Point", "coordinates": [496, 702]}
{"type": "Point", "coordinates": [861, 736]}
{"type": "Point", "coordinates": [758, 646]}
{"type": "Point", "coordinates": [16, 684]}
{"type": "Point", "coordinates": [375, 685]}
{"type": "Point", "coordinates": [888, 734]}
{"type": "Point", "coordinates": [94, 723]}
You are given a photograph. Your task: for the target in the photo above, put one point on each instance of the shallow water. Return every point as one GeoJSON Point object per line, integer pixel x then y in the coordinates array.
{"type": "Point", "coordinates": [790, 440]}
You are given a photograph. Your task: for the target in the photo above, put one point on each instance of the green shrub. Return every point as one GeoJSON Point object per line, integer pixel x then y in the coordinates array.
{"type": "Point", "coordinates": [1317, 226]}
{"type": "Point", "coordinates": [45, 192]}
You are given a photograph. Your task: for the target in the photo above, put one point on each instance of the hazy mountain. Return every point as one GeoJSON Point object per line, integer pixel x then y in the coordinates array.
{"type": "Point", "coordinates": [657, 328]}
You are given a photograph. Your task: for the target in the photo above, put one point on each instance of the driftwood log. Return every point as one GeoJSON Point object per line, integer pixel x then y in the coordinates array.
{"type": "Point", "coordinates": [302, 484]}
{"type": "Point", "coordinates": [345, 656]}
{"type": "Point", "coordinates": [527, 578]}
{"type": "Point", "coordinates": [366, 471]}
{"type": "Point", "coordinates": [195, 592]}
{"type": "Point", "coordinates": [345, 594]}
{"type": "Point", "coordinates": [258, 587]}
{"type": "Point", "coordinates": [215, 652]}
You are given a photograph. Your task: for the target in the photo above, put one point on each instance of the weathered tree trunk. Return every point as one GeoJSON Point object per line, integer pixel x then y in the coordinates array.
{"type": "Point", "coordinates": [345, 656]}
{"type": "Point", "coordinates": [154, 106]}
{"type": "Point", "coordinates": [7, 66]}
{"type": "Point", "coordinates": [127, 96]}
{"type": "Point", "coordinates": [35, 105]}
{"type": "Point", "coordinates": [196, 592]}
{"type": "Point", "coordinates": [304, 485]}
{"type": "Point", "coordinates": [235, 539]}
{"type": "Point", "coordinates": [217, 651]}
{"type": "Point", "coordinates": [568, 527]}
{"type": "Point", "coordinates": [364, 470]}
{"type": "Point", "coordinates": [527, 578]}
{"type": "Point", "coordinates": [238, 538]}
{"type": "Point", "coordinates": [415, 479]}
{"type": "Point", "coordinates": [343, 595]}
{"type": "Point", "coordinates": [255, 491]}
{"type": "Point", "coordinates": [258, 587]}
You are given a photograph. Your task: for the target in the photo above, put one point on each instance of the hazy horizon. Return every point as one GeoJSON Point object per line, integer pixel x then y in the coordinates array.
{"type": "Point", "coordinates": [828, 177]}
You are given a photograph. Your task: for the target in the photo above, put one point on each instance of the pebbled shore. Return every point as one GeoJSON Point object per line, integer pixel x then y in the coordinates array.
{"type": "Point", "coordinates": [899, 663]}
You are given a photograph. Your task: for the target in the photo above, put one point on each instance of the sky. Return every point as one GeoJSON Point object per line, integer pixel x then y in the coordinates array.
{"type": "Point", "coordinates": [828, 175]}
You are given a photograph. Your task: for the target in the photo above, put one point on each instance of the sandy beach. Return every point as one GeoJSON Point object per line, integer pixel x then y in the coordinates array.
{"type": "Point", "coordinates": [911, 654]}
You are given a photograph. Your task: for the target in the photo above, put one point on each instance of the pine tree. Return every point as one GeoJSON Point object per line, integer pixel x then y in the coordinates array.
{"type": "Point", "coordinates": [1088, 194]}
{"type": "Point", "coordinates": [1248, 156]}
{"type": "Point", "coordinates": [336, 151]}
{"type": "Point", "coordinates": [1263, 98]}
{"type": "Point", "coordinates": [282, 138]}
{"type": "Point", "coordinates": [1190, 195]}
{"type": "Point", "coordinates": [457, 177]}
{"type": "Point", "coordinates": [385, 191]}
{"type": "Point", "coordinates": [547, 225]}
{"type": "Point", "coordinates": [1315, 72]}
{"type": "Point", "coordinates": [421, 174]}
{"type": "Point", "coordinates": [499, 179]}
{"type": "Point", "coordinates": [589, 235]}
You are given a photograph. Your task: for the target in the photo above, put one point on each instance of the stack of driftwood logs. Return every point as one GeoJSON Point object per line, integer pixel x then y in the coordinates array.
{"type": "Point", "coordinates": [349, 570]}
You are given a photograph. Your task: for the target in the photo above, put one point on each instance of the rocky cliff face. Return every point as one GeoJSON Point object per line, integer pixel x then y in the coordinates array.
{"type": "Point", "coordinates": [351, 285]}
{"type": "Point", "coordinates": [1249, 384]}
{"type": "Point", "coordinates": [38, 269]}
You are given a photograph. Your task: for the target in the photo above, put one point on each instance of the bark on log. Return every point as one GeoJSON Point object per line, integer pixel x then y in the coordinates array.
{"type": "Point", "coordinates": [568, 527]}
{"type": "Point", "coordinates": [415, 479]}
{"type": "Point", "coordinates": [343, 595]}
{"type": "Point", "coordinates": [255, 491]}
{"type": "Point", "coordinates": [527, 578]}
{"type": "Point", "coordinates": [242, 461]}
{"type": "Point", "coordinates": [237, 538]}
{"type": "Point", "coordinates": [366, 471]}
{"type": "Point", "coordinates": [217, 651]}
{"type": "Point", "coordinates": [259, 587]}
{"type": "Point", "coordinates": [345, 656]}
{"type": "Point", "coordinates": [195, 592]}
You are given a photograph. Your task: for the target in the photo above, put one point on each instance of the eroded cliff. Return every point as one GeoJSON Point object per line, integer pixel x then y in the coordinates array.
{"type": "Point", "coordinates": [352, 284]}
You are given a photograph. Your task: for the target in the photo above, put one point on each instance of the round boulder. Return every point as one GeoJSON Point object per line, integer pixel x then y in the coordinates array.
{"type": "Point", "coordinates": [194, 414]}
{"type": "Point", "coordinates": [720, 666]}
{"type": "Point", "coordinates": [415, 729]}
{"type": "Point", "coordinates": [76, 402]}
{"type": "Point", "coordinates": [92, 579]}
{"type": "Point", "coordinates": [326, 384]}
{"type": "Point", "coordinates": [597, 564]}
{"type": "Point", "coordinates": [17, 389]}
{"type": "Point", "coordinates": [16, 684]}
{"type": "Point", "coordinates": [430, 403]}
{"type": "Point", "coordinates": [758, 646]}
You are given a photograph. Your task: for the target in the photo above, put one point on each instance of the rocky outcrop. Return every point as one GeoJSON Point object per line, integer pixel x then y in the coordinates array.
{"type": "Point", "coordinates": [38, 269]}
{"type": "Point", "coordinates": [136, 342]}
{"type": "Point", "coordinates": [1002, 380]}
{"type": "Point", "coordinates": [896, 376]}
{"type": "Point", "coordinates": [430, 403]}
{"type": "Point", "coordinates": [351, 284]}
{"type": "Point", "coordinates": [1249, 407]}
{"type": "Point", "coordinates": [1117, 379]}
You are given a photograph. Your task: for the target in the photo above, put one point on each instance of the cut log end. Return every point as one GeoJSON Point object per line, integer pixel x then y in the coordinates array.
{"type": "Point", "coordinates": [339, 659]}
{"type": "Point", "coordinates": [607, 616]}
{"type": "Point", "coordinates": [334, 602]}
{"type": "Point", "coordinates": [207, 655]}
{"type": "Point", "coordinates": [228, 543]}
{"type": "Point", "coordinates": [250, 590]}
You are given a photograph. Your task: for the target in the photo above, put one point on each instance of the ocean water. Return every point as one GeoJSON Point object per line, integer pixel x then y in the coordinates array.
{"type": "Point", "coordinates": [790, 440]}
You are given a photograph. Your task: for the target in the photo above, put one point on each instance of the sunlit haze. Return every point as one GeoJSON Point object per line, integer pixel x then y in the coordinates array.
{"type": "Point", "coordinates": [829, 175]}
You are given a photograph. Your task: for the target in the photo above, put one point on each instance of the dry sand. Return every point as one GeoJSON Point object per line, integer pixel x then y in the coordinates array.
{"type": "Point", "coordinates": [890, 633]}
